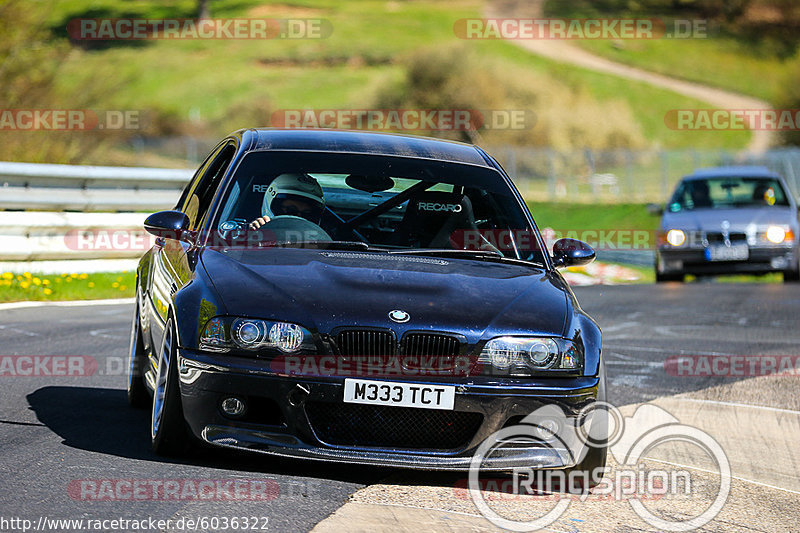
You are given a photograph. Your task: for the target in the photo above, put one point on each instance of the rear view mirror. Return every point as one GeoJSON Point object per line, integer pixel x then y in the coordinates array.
{"type": "Point", "coordinates": [167, 224]}
{"type": "Point", "coordinates": [572, 252]}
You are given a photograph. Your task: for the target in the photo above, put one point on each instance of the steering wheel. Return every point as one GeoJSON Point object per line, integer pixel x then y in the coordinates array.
{"type": "Point", "coordinates": [290, 228]}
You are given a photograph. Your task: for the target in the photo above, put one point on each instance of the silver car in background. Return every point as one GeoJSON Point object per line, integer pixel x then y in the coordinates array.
{"type": "Point", "coordinates": [729, 220]}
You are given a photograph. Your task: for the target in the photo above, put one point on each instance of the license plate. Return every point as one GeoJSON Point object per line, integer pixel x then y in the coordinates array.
{"type": "Point", "coordinates": [739, 252]}
{"type": "Point", "coordinates": [399, 394]}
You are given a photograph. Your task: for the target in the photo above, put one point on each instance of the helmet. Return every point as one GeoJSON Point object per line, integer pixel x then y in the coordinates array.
{"type": "Point", "coordinates": [288, 186]}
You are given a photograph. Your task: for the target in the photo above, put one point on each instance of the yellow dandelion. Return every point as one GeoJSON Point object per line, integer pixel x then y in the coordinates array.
{"type": "Point", "coordinates": [73, 275]}
{"type": "Point", "coordinates": [37, 281]}
{"type": "Point", "coordinates": [48, 291]}
{"type": "Point", "coordinates": [8, 275]}
{"type": "Point", "coordinates": [68, 280]}
{"type": "Point", "coordinates": [19, 278]}
{"type": "Point", "coordinates": [115, 284]}
{"type": "Point", "coordinates": [58, 280]}
{"type": "Point", "coordinates": [91, 284]}
{"type": "Point", "coordinates": [64, 275]}
{"type": "Point", "coordinates": [83, 276]}
{"type": "Point", "coordinates": [25, 284]}
{"type": "Point", "coordinates": [122, 287]}
{"type": "Point", "coordinates": [26, 275]}
{"type": "Point", "coordinates": [45, 282]}
{"type": "Point", "coordinates": [119, 279]}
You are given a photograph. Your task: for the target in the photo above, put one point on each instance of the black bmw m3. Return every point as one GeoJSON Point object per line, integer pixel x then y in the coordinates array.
{"type": "Point", "coordinates": [357, 297]}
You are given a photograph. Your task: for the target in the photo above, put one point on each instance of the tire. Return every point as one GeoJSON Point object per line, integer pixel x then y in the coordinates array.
{"type": "Point", "coordinates": [168, 432]}
{"type": "Point", "coordinates": [791, 276]}
{"type": "Point", "coordinates": [662, 278]}
{"type": "Point", "coordinates": [138, 394]}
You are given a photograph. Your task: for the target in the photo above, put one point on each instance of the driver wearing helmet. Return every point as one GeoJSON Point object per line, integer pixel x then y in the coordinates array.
{"type": "Point", "coordinates": [298, 195]}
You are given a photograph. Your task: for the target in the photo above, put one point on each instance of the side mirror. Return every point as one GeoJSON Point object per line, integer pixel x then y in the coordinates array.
{"type": "Point", "coordinates": [655, 209]}
{"type": "Point", "coordinates": [167, 224]}
{"type": "Point", "coordinates": [572, 252]}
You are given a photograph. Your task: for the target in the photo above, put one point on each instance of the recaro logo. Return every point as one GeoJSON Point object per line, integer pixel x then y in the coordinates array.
{"type": "Point", "coordinates": [432, 206]}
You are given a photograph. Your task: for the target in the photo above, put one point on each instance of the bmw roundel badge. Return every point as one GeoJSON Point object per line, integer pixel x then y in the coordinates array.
{"type": "Point", "coordinates": [399, 316]}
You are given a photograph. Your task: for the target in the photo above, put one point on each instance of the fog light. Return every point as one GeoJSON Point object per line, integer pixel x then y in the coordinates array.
{"type": "Point", "coordinates": [233, 406]}
{"type": "Point", "coordinates": [546, 429]}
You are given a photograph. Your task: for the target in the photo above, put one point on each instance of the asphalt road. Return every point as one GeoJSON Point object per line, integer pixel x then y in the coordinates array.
{"type": "Point", "coordinates": [57, 431]}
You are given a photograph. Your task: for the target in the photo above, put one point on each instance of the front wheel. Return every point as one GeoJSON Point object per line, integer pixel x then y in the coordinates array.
{"type": "Point", "coordinates": [138, 396]}
{"type": "Point", "coordinates": [168, 432]}
{"type": "Point", "coordinates": [594, 462]}
{"type": "Point", "coordinates": [791, 276]}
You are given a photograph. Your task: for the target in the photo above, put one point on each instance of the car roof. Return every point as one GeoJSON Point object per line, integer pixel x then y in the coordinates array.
{"type": "Point", "coordinates": [732, 172]}
{"type": "Point", "coordinates": [347, 141]}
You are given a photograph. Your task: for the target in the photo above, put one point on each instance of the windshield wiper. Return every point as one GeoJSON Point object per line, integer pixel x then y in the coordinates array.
{"type": "Point", "coordinates": [446, 251]}
{"type": "Point", "coordinates": [323, 245]}
{"type": "Point", "coordinates": [480, 255]}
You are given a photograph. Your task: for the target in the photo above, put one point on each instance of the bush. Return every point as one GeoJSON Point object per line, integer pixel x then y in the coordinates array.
{"type": "Point", "coordinates": [563, 117]}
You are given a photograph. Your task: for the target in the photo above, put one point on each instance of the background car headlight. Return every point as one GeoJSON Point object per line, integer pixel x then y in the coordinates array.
{"type": "Point", "coordinates": [522, 356]}
{"type": "Point", "coordinates": [226, 334]}
{"type": "Point", "coordinates": [676, 237]}
{"type": "Point", "coordinates": [776, 234]}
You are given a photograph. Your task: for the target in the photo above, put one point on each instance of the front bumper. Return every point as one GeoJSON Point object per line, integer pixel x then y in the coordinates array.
{"type": "Point", "coordinates": [280, 424]}
{"type": "Point", "coordinates": [763, 259]}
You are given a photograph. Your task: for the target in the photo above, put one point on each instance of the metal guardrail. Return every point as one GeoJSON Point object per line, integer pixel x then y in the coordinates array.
{"type": "Point", "coordinates": [29, 186]}
{"type": "Point", "coordinates": [57, 212]}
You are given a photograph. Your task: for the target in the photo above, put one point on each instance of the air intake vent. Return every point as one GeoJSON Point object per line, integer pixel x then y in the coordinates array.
{"type": "Point", "coordinates": [360, 343]}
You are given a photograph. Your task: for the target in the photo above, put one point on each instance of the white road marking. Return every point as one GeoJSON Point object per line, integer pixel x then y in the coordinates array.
{"type": "Point", "coordinates": [717, 473]}
{"type": "Point", "coordinates": [733, 404]}
{"type": "Point", "coordinates": [73, 303]}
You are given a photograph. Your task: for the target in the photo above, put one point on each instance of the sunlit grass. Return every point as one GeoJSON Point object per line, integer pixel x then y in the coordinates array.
{"type": "Point", "coordinates": [29, 286]}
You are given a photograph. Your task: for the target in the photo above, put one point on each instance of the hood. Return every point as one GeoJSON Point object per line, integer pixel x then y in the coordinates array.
{"type": "Point", "coordinates": [324, 290]}
{"type": "Point", "coordinates": [738, 218]}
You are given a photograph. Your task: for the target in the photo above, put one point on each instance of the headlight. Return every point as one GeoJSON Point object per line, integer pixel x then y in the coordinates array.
{"type": "Point", "coordinates": [521, 356]}
{"type": "Point", "coordinates": [225, 334]}
{"type": "Point", "coordinates": [776, 234]}
{"type": "Point", "coordinates": [676, 237]}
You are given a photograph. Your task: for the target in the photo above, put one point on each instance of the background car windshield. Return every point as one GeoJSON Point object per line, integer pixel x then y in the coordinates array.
{"type": "Point", "coordinates": [727, 193]}
{"type": "Point", "coordinates": [387, 202]}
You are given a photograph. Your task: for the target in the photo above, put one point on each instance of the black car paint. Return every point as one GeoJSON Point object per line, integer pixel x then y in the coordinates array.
{"type": "Point", "coordinates": [478, 300]}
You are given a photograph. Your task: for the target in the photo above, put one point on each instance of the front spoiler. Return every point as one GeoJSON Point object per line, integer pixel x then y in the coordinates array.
{"type": "Point", "coordinates": [205, 379]}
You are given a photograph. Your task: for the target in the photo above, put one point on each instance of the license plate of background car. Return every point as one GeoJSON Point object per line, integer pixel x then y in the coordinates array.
{"type": "Point", "coordinates": [399, 394]}
{"type": "Point", "coordinates": [739, 252]}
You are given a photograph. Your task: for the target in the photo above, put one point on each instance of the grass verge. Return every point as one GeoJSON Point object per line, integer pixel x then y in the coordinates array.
{"type": "Point", "coordinates": [68, 286]}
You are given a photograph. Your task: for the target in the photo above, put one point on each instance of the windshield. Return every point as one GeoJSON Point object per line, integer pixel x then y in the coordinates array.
{"type": "Point", "coordinates": [728, 193]}
{"type": "Point", "coordinates": [391, 204]}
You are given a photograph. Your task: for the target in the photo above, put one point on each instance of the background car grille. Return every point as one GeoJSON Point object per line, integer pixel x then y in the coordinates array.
{"type": "Point", "coordinates": [392, 427]}
{"type": "Point", "coordinates": [719, 238]}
